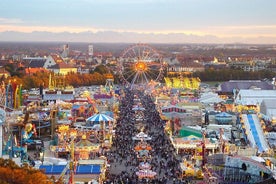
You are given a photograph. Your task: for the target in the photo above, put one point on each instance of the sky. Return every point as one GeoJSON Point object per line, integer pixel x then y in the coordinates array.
{"type": "Point", "coordinates": [220, 18]}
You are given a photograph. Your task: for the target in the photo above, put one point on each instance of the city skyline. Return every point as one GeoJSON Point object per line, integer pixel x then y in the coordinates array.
{"type": "Point", "coordinates": [248, 21]}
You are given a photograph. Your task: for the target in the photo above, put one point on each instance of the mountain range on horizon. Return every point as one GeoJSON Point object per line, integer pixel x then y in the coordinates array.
{"type": "Point", "coordinates": [127, 37]}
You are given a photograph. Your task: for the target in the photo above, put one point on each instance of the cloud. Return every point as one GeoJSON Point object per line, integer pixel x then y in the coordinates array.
{"type": "Point", "coordinates": [221, 31]}
{"type": "Point", "coordinates": [53, 29]}
{"type": "Point", "coordinates": [214, 34]}
{"type": "Point", "coordinates": [10, 21]}
{"type": "Point", "coordinates": [127, 37]}
{"type": "Point", "coordinates": [244, 30]}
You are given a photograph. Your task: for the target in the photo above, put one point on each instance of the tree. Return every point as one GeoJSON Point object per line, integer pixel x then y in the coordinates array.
{"type": "Point", "coordinates": [101, 69]}
{"type": "Point", "coordinates": [10, 173]}
{"type": "Point", "coordinates": [13, 70]}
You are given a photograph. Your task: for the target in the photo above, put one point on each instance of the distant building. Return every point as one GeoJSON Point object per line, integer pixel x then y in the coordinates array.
{"type": "Point", "coordinates": [31, 71]}
{"type": "Point", "coordinates": [180, 66]}
{"type": "Point", "coordinates": [249, 65]}
{"type": "Point", "coordinates": [34, 62]}
{"type": "Point", "coordinates": [63, 68]}
{"type": "Point", "coordinates": [65, 51]}
{"type": "Point", "coordinates": [4, 62]}
{"type": "Point", "coordinates": [233, 86]}
{"type": "Point", "coordinates": [171, 61]}
{"type": "Point", "coordinates": [103, 55]}
{"type": "Point", "coordinates": [52, 60]}
{"type": "Point", "coordinates": [90, 50]}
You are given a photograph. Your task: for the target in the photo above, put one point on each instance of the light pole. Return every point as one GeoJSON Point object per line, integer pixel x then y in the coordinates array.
{"type": "Point", "coordinates": [39, 124]}
{"type": "Point", "coordinates": [41, 154]}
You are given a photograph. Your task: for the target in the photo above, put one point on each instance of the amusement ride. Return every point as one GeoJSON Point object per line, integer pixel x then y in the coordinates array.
{"type": "Point", "coordinates": [140, 65]}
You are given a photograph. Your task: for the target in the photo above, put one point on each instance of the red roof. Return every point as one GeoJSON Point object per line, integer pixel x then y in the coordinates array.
{"type": "Point", "coordinates": [35, 70]}
{"type": "Point", "coordinates": [57, 58]}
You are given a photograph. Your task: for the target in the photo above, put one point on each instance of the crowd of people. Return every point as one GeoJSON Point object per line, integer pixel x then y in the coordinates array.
{"type": "Point", "coordinates": [123, 158]}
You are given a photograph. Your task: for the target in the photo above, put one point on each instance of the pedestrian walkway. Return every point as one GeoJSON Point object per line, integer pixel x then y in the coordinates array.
{"type": "Point", "coordinates": [123, 159]}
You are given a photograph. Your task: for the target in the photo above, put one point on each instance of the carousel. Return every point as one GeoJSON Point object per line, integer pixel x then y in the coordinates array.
{"type": "Point", "coordinates": [84, 149]}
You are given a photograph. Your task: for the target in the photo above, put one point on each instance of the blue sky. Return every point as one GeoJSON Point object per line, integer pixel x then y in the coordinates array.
{"type": "Point", "coordinates": [223, 18]}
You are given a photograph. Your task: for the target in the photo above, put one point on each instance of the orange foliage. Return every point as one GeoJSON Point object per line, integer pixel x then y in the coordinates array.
{"type": "Point", "coordinates": [72, 79]}
{"type": "Point", "coordinates": [12, 173]}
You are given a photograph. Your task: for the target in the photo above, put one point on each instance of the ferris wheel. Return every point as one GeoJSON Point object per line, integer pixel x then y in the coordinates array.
{"type": "Point", "coordinates": [140, 65]}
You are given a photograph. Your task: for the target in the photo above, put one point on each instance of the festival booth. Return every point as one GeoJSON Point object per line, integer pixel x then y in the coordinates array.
{"type": "Point", "coordinates": [136, 100]}
{"type": "Point", "coordinates": [173, 108]}
{"type": "Point", "coordinates": [173, 112]}
{"type": "Point", "coordinates": [144, 166]}
{"type": "Point", "coordinates": [139, 114]}
{"type": "Point", "coordinates": [141, 136]}
{"type": "Point", "coordinates": [192, 144]}
{"type": "Point", "coordinates": [162, 99]}
{"type": "Point", "coordinates": [82, 110]}
{"type": "Point", "coordinates": [85, 170]}
{"type": "Point", "coordinates": [104, 101]}
{"type": "Point", "coordinates": [143, 150]}
{"type": "Point", "coordinates": [146, 174]}
{"type": "Point", "coordinates": [187, 131]}
{"type": "Point", "coordinates": [190, 138]}
{"type": "Point", "coordinates": [188, 170]}
{"type": "Point", "coordinates": [139, 117]}
{"type": "Point", "coordinates": [64, 133]}
{"type": "Point", "coordinates": [138, 108]}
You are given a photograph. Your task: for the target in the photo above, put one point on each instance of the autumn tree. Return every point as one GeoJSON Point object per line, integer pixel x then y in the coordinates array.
{"type": "Point", "coordinates": [101, 69]}
{"type": "Point", "coordinates": [11, 173]}
{"type": "Point", "coordinates": [72, 79]}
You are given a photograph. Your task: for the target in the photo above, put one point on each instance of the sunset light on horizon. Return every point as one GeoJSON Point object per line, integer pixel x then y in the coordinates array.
{"type": "Point", "coordinates": [217, 18]}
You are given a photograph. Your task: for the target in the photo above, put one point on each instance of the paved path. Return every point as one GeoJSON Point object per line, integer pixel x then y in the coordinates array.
{"type": "Point", "coordinates": [123, 158]}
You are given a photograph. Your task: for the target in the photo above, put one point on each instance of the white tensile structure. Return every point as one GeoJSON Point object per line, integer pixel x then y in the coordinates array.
{"type": "Point", "coordinates": [254, 96]}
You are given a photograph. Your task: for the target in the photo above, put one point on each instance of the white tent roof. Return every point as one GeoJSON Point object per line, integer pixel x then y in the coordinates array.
{"type": "Point", "coordinates": [140, 136]}
{"type": "Point", "coordinates": [210, 97]}
{"type": "Point", "coordinates": [258, 159]}
{"type": "Point", "coordinates": [254, 96]}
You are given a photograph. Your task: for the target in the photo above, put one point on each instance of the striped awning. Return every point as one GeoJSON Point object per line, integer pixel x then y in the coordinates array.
{"type": "Point", "coordinates": [99, 117]}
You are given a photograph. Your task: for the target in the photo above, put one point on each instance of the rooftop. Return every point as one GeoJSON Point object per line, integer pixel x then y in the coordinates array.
{"type": "Point", "coordinates": [244, 84]}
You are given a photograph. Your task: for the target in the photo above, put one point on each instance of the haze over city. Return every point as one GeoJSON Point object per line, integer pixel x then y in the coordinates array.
{"type": "Point", "coordinates": [155, 21]}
